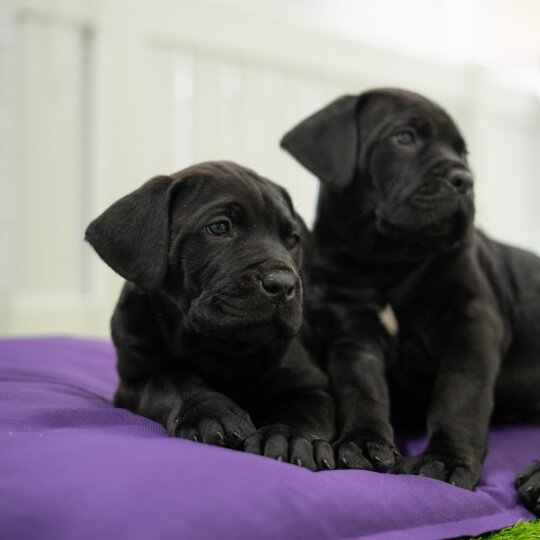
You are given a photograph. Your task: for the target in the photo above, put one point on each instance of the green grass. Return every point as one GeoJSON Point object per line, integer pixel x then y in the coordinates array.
{"type": "Point", "coordinates": [529, 530]}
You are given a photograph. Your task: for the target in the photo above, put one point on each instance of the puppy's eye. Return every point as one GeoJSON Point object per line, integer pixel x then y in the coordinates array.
{"type": "Point", "coordinates": [404, 138]}
{"type": "Point", "coordinates": [292, 241]}
{"type": "Point", "coordinates": [219, 228]}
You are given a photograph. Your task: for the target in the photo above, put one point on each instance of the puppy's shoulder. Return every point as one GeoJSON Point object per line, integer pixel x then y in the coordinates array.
{"type": "Point", "coordinates": [135, 318]}
{"type": "Point", "coordinates": [514, 268]}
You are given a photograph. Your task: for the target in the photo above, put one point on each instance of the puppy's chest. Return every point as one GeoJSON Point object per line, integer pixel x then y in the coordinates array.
{"type": "Point", "coordinates": [416, 361]}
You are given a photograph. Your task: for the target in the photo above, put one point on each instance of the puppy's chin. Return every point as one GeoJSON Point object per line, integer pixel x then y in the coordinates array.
{"type": "Point", "coordinates": [440, 225]}
{"type": "Point", "coordinates": [276, 323]}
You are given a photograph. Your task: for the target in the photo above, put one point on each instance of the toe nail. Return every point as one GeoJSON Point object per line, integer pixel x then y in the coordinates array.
{"type": "Point", "coordinates": [326, 463]}
{"type": "Point", "coordinates": [529, 489]}
{"type": "Point", "coordinates": [299, 462]}
{"type": "Point", "coordinates": [378, 459]}
{"type": "Point", "coordinates": [236, 435]}
{"type": "Point", "coordinates": [345, 461]}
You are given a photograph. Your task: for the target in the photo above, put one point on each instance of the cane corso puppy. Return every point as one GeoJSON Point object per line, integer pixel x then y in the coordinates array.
{"type": "Point", "coordinates": [205, 325]}
{"type": "Point", "coordinates": [395, 227]}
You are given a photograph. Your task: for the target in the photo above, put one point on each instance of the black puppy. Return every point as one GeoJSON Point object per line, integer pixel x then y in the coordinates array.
{"type": "Point", "coordinates": [205, 325]}
{"type": "Point", "coordinates": [395, 226]}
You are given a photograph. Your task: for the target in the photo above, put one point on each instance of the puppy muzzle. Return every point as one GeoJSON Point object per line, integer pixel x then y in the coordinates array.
{"type": "Point", "coordinates": [279, 285]}
{"type": "Point", "coordinates": [443, 185]}
{"type": "Point", "coordinates": [265, 300]}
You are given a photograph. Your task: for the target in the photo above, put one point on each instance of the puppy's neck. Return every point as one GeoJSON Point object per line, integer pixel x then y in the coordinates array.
{"type": "Point", "coordinates": [357, 234]}
{"type": "Point", "coordinates": [230, 367]}
{"type": "Point", "coordinates": [184, 341]}
{"type": "Point", "coordinates": [342, 227]}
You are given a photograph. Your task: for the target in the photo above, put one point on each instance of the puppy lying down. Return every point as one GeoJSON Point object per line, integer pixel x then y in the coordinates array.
{"type": "Point", "coordinates": [206, 322]}
{"type": "Point", "coordinates": [395, 225]}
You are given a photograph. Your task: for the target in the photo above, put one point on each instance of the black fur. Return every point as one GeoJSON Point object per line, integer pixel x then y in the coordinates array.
{"type": "Point", "coordinates": [205, 325]}
{"type": "Point", "coordinates": [397, 228]}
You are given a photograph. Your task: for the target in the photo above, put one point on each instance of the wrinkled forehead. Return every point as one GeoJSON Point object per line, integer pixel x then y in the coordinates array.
{"type": "Point", "coordinates": [240, 193]}
{"type": "Point", "coordinates": [401, 109]}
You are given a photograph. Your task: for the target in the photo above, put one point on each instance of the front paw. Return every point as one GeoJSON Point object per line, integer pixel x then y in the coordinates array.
{"type": "Point", "coordinates": [528, 485]}
{"type": "Point", "coordinates": [358, 450]}
{"type": "Point", "coordinates": [464, 473]}
{"type": "Point", "coordinates": [212, 421]}
{"type": "Point", "coordinates": [291, 445]}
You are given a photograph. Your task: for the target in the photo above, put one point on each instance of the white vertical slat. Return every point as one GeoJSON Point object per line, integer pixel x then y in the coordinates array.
{"type": "Point", "coordinates": [182, 110]}
{"type": "Point", "coordinates": [509, 199]}
{"type": "Point", "coordinates": [206, 107]}
{"type": "Point", "coordinates": [250, 152]}
{"type": "Point", "coordinates": [155, 119]}
{"type": "Point", "coordinates": [166, 119]}
{"type": "Point", "coordinates": [120, 158]}
{"type": "Point", "coordinates": [51, 161]}
{"type": "Point", "coordinates": [273, 93]}
{"type": "Point", "coordinates": [8, 180]}
{"type": "Point", "coordinates": [481, 141]}
{"type": "Point", "coordinates": [230, 90]}
{"type": "Point", "coordinates": [87, 283]}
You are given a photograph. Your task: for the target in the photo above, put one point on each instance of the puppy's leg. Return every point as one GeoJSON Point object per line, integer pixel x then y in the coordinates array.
{"type": "Point", "coordinates": [187, 408]}
{"type": "Point", "coordinates": [172, 396]}
{"type": "Point", "coordinates": [291, 433]}
{"type": "Point", "coordinates": [357, 371]}
{"type": "Point", "coordinates": [297, 414]}
{"type": "Point", "coordinates": [517, 400]}
{"type": "Point", "coordinates": [517, 397]}
{"type": "Point", "coordinates": [528, 481]}
{"type": "Point", "coordinates": [462, 398]}
{"type": "Point", "coordinates": [528, 486]}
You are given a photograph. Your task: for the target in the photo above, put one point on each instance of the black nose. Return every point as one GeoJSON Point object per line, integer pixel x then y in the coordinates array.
{"type": "Point", "coordinates": [460, 179]}
{"type": "Point", "coordinates": [279, 285]}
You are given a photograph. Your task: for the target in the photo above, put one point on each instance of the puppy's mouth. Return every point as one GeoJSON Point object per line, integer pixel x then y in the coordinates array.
{"type": "Point", "coordinates": [428, 219]}
{"type": "Point", "coordinates": [257, 322]}
{"type": "Point", "coordinates": [430, 227]}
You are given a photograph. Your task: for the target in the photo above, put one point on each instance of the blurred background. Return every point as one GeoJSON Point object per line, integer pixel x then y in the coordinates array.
{"type": "Point", "coordinates": [97, 96]}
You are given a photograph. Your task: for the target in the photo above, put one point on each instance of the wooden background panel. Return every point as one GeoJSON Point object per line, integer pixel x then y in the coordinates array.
{"type": "Point", "coordinates": [112, 92]}
{"type": "Point", "coordinates": [52, 160]}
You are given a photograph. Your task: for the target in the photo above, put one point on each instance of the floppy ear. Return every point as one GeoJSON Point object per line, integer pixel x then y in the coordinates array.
{"type": "Point", "coordinates": [132, 235]}
{"type": "Point", "coordinates": [326, 143]}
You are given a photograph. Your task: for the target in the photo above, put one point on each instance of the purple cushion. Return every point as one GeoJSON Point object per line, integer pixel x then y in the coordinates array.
{"type": "Point", "coordinates": [73, 467]}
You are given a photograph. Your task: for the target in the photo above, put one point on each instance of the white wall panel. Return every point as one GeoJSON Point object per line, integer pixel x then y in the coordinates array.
{"type": "Point", "coordinates": [112, 92]}
{"type": "Point", "coordinates": [508, 201]}
{"type": "Point", "coordinates": [51, 160]}
{"type": "Point", "coordinates": [155, 116]}
{"type": "Point", "coordinates": [8, 148]}
{"type": "Point", "coordinates": [182, 110]}
{"type": "Point", "coordinates": [230, 91]}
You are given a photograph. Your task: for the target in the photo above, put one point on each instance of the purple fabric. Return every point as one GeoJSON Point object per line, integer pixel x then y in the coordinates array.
{"type": "Point", "coordinates": [73, 467]}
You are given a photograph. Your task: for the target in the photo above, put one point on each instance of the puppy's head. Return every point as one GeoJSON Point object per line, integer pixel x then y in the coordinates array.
{"type": "Point", "coordinates": [224, 244]}
{"type": "Point", "coordinates": [392, 156]}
